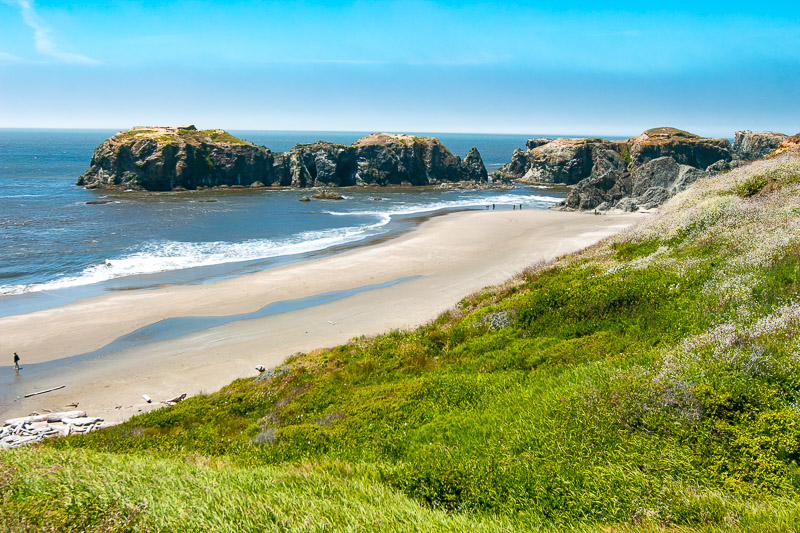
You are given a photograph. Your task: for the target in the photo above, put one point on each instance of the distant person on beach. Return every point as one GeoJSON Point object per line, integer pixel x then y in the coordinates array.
{"type": "Point", "coordinates": [16, 363]}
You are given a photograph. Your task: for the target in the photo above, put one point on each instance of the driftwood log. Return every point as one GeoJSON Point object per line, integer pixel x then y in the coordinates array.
{"type": "Point", "coordinates": [48, 417]}
{"type": "Point", "coordinates": [81, 421]}
{"type": "Point", "coordinates": [176, 399]}
{"type": "Point", "coordinates": [44, 391]}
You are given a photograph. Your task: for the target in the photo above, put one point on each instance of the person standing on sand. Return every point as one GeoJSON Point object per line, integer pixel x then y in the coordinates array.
{"type": "Point", "coordinates": [16, 363]}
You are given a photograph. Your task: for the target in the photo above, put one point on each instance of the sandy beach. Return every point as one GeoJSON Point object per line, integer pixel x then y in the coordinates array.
{"type": "Point", "coordinates": [437, 264]}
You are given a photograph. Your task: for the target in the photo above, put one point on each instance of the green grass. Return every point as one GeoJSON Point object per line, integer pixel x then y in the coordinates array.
{"type": "Point", "coordinates": [223, 136]}
{"type": "Point", "coordinates": [672, 132]}
{"type": "Point", "coordinates": [758, 182]}
{"type": "Point", "coordinates": [649, 383]}
{"type": "Point", "coordinates": [129, 134]}
{"type": "Point", "coordinates": [202, 136]}
{"type": "Point", "coordinates": [187, 135]}
{"type": "Point", "coordinates": [165, 139]}
{"type": "Point", "coordinates": [85, 491]}
{"type": "Point", "coordinates": [626, 154]}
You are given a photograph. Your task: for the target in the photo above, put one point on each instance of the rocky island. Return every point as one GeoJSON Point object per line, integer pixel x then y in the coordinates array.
{"type": "Point", "coordinates": [640, 172]}
{"type": "Point", "coordinates": [183, 157]}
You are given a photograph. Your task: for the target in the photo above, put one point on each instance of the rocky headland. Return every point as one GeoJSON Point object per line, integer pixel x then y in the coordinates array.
{"type": "Point", "coordinates": [640, 172]}
{"type": "Point", "coordinates": [183, 157]}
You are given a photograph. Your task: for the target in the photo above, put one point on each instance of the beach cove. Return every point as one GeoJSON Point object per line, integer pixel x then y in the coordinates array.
{"type": "Point", "coordinates": [397, 284]}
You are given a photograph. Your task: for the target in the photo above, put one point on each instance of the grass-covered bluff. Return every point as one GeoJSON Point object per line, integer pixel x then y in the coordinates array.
{"type": "Point", "coordinates": [177, 134]}
{"type": "Point", "coordinates": [649, 383]}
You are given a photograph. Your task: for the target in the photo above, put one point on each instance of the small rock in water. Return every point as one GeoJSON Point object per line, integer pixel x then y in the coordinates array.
{"type": "Point", "coordinates": [326, 194]}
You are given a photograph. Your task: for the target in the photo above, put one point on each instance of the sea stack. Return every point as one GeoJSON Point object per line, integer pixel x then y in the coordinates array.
{"type": "Point", "coordinates": [171, 157]}
{"type": "Point", "coordinates": [183, 157]}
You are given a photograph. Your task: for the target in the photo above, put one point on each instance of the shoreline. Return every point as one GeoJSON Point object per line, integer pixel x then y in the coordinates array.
{"type": "Point", "coordinates": [33, 301]}
{"type": "Point", "coordinates": [136, 259]}
{"type": "Point", "coordinates": [443, 260]}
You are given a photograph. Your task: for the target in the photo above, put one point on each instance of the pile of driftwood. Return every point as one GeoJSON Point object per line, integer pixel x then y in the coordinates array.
{"type": "Point", "coordinates": [29, 429]}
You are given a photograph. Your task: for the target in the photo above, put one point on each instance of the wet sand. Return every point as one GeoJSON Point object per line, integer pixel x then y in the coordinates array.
{"type": "Point", "coordinates": [396, 284]}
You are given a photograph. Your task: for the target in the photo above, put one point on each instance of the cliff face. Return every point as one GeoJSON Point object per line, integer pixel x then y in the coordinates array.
{"type": "Point", "coordinates": [570, 161]}
{"type": "Point", "coordinates": [660, 163]}
{"type": "Point", "coordinates": [566, 161]}
{"type": "Point", "coordinates": [751, 145]}
{"type": "Point", "coordinates": [684, 147]}
{"type": "Point", "coordinates": [162, 159]}
{"type": "Point", "coordinates": [643, 171]}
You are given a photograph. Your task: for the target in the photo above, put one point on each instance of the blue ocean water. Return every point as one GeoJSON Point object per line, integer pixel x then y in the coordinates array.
{"type": "Point", "coordinates": [56, 246]}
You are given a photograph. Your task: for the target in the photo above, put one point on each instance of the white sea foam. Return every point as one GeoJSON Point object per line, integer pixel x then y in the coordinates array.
{"type": "Point", "coordinates": [168, 256]}
{"type": "Point", "coordinates": [478, 201]}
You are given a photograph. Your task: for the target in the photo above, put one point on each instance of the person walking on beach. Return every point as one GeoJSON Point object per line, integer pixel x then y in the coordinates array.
{"type": "Point", "coordinates": [16, 363]}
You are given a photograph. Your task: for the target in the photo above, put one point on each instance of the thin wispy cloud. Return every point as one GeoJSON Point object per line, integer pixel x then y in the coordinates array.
{"type": "Point", "coordinates": [42, 35]}
{"type": "Point", "coordinates": [332, 61]}
{"type": "Point", "coordinates": [5, 57]}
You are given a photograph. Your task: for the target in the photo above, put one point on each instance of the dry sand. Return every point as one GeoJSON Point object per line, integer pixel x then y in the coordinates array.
{"type": "Point", "coordinates": [448, 257]}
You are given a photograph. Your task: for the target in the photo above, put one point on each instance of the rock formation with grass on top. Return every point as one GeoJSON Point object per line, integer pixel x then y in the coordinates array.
{"type": "Point", "coordinates": [183, 157]}
{"type": "Point", "coordinates": [640, 172]}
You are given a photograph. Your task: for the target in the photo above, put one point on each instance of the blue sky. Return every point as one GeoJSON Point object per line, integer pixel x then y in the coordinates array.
{"type": "Point", "coordinates": [533, 67]}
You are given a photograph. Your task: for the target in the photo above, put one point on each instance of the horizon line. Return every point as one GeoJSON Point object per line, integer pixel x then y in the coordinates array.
{"type": "Point", "coordinates": [360, 131]}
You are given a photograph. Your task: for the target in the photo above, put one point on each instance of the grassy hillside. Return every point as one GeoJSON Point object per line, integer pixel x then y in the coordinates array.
{"type": "Point", "coordinates": [648, 383]}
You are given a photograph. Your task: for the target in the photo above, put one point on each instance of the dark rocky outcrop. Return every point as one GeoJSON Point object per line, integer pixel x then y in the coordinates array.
{"type": "Point", "coordinates": [655, 182]}
{"type": "Point", "coordinates": [598, 191]}
{"type": "Point", "coordinates": [166, 158]}
{"type": "Point", "coordinates": [752, 145]}
{"type": "Point", "coordinates": [475, 169]}
{"type": "Point", "coordinates": [659, 163]}
{"type": "Point", "coordinates": [516, 169]}
{"type": "Point", "coordinates": [684, 147]}
{"type": "Point", "coordinates": [535, 143]}
{"type": "Point", "coordinates": [642, 171]}
{"type": "Point", "coordinates": [319, 164]}
{"type": "Point", "coordinates": [566, 161]}
{"type": "Point", "coordinates": [398, 159]}
{"type": "Point", "coordinates": [163, 159]}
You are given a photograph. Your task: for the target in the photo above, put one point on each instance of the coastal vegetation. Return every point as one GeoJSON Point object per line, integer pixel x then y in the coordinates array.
{"type": "Point", "coordinates": [666, 132]}
{"type": "Point", "coordinates": [190, 134]}
{"type": "Point", "coordinates": [648, 383]}
{"type": "Point", "coordinates": [219, 136]}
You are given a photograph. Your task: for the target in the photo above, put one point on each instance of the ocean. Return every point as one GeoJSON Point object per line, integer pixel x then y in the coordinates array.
{"type": "Point", "coordinates": [60, 242]}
